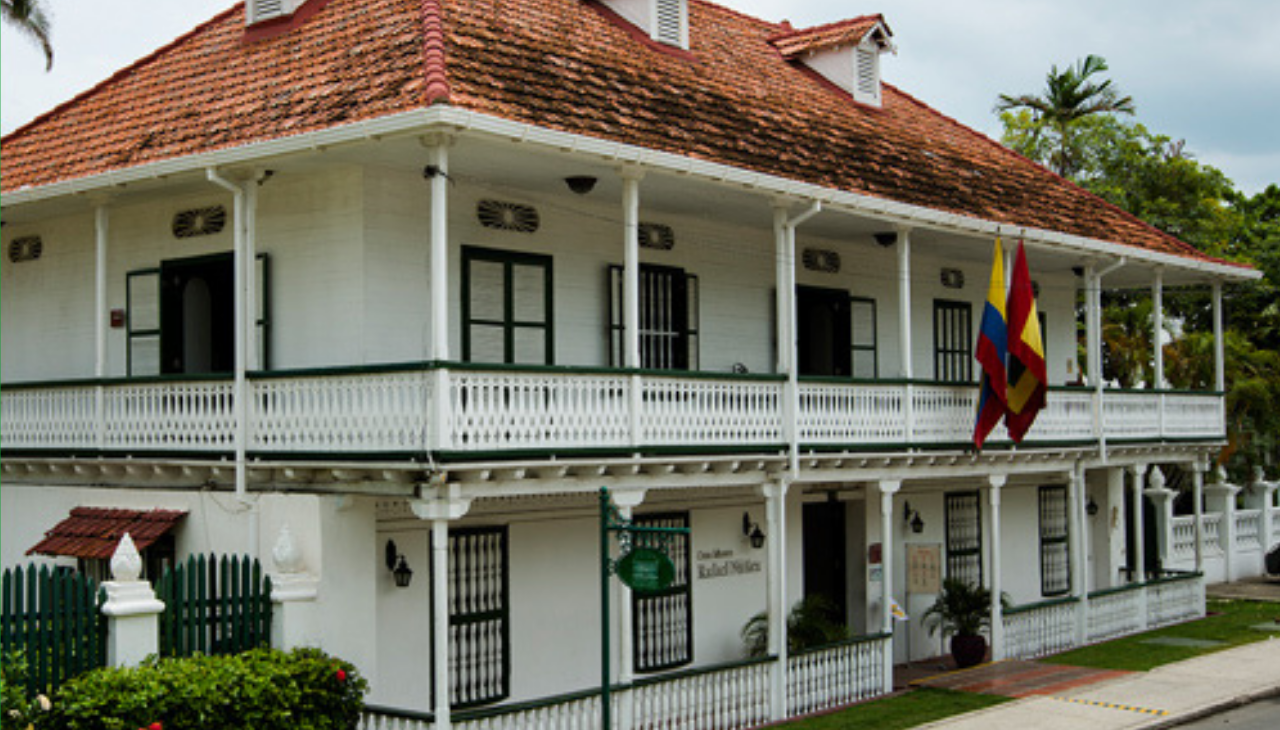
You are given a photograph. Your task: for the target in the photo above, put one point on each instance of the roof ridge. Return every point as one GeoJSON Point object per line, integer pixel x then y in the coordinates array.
{"type": "Point", "coordinates": [793, 32]}
{"type": "Point", "coordinates": [434, 59]}
{"type": "Point", "coordinates": [122, 73]}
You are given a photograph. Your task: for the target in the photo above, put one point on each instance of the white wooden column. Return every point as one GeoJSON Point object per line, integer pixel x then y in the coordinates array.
{"type": "Point", "coordinates": [1219, 358]}
{"type": "Point", "coordinates": [1157, 329]}
{"type": "Point", "coordinates": [994, 484]}
{"type": "Point", "coordinates": [1139, 472]}
{"type": "Point", "coordinates": [904, 304]}
{"type": "Point", "coordinates": [101, 221]}
{"type": "Point", "coordinates": [240, 409]}
{"type": "Point", "coordinates": [1197, 492]}
{"type": "Point", "coordinates": [888, 489]}
{"type": "Point", "coordinates": [1078, 538]}
{"type": "Point", "coordinates": [785, 242]}
{"type": "Point", "coordinates": [439, 433]}
{"type": "Point", "coordinates": [775, 494]}
{"type": "Point", "coordinates": [440, 505]}
{"type": "Point", "coordinates": [631, 178]}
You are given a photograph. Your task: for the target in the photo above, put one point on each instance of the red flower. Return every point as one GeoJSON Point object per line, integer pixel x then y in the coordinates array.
{"type": "Point", "coordinates": [342, 675]}
{"type": "Point", "coordinates": [155, 726]}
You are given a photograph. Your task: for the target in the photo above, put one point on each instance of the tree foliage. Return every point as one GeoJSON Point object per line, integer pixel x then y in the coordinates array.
{"type": "Point", "coordinates": [29, 18]}
{"type": "Point", "coordinates": [1158, 179]}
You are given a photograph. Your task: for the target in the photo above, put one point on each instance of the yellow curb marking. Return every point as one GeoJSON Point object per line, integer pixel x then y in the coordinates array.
{"type": "Point", "coordinates": [1113, 706]}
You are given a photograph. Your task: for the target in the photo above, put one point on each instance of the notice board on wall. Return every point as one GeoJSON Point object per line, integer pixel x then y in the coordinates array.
{"type": "Point", "coordinates": [924, 568]}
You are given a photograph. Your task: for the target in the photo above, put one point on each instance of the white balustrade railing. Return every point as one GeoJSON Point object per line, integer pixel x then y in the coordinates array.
{"type": "Point", "coordinates": [1174, 599]}
{"type": "Point", "coordinates": [1115, 612]}
{"type": "Point", "coordinates": [326, 413]}
{"type": "Point", "coordinates": [392, 410]}
{"type": "Point", "coordinates": [1249, 529]}
{"type": "Point", "coordinates": [578, 713]}
{"type": "Point", "coordinates": [1184, 537]}
{"type": "Point", "coordinates": [1038, 630]}
{"type": "Point", "coordinates": [514, 409]}
{"type": "Point", "coordinates": [55, 417]}
{"type": "Point", "coordinates": [727, 698]}
{"type": "Point", "coordinates": [837, 675]}
{"type": "Point", "coordinates": [682, 411]}
{"type": "Point", "coordinates": [184, 415]}
{"type": "Point", "coordinates": [1211, 533]}
{"type": "Point", "coordinates": [833, 413]}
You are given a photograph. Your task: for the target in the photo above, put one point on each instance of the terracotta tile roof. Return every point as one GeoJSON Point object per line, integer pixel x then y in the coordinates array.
{"type": "Point", "coordinates": [567, 65]}
{"type": "Point", "coordinates": [793, 43]}
{"type": "Point", "coordinates": [94, 532]}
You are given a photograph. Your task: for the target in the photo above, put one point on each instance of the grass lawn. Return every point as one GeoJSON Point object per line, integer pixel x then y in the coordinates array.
{"type": "Point", "coordinates": [903, 711]}
{"type": "Point", "coordinates": [1228, 622]}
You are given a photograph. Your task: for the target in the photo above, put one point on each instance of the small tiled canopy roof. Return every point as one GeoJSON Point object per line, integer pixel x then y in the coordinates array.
{"type": "Point", "coordinates": [738, 97]}
{"type": "Point", "coordinates": [95, 532]}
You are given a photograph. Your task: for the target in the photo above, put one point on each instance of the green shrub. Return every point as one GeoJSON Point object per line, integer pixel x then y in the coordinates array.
{"type": "Point", "coordinates": [263, 688]}
{"type": "Point", "coordinates": [19, 711]}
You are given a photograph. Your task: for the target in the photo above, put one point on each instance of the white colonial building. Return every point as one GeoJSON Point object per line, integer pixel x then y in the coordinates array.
{"type": "Point", "coordinates": [416, 280]}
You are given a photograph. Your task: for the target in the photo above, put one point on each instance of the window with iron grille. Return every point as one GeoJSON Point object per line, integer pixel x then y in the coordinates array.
{"type": "Point", "coordinates": [952, 341]}
{"type": "Point", "coordinates": [506, 307]}
{"type": "Point", "coordinates": [663, 621]}
{"type": "Point", "coordinates": [668, 318]}
{"type": "Point", "coordinates": [1055, 555]}
{"type": "Point", "coordinates": [964, 537]}
{"type": "Point", "coordinates": [479, 616]}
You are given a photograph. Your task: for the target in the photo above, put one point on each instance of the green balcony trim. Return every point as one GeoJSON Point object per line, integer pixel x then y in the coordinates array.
{"type": "Point", "coordinates": [1029, 607]}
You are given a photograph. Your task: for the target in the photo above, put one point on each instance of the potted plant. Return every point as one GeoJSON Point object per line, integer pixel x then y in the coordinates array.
{"type": "Point", "coordinates": [962, 610]}
{"type": "Point", "coordinates": [811, 623]}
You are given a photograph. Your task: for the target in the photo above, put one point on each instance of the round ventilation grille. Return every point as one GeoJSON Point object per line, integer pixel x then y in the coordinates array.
{"type": "Point", "coordinates": [26, 248]}
{"type": "Point", "coordinates": [507, 216]}
{"type": "Point", "coordinates": [657, 236]}
{"type": "Point", "coordinates": [199, 222]}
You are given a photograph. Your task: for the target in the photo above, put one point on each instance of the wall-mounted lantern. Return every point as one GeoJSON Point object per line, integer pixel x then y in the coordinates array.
{"type": "Point", "coordinates": [398, 566]}
{"type": "Point", "coordinates": [752, 531]}
{"type": "Point", "coordinates": [912, 518]}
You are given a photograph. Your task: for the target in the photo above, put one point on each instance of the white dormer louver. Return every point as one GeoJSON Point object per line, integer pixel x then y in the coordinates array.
{"type": "Point", "coordinates": [846, 53]}
{"type": "Point", "coordinates": [866, 70]}
{"type": "Point", "coordinates": [665, 21]}
{"type": "Point", "coordinates": [257, 11]}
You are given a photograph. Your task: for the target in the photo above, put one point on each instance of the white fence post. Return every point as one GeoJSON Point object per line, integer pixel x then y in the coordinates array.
{"type": "Point", "coordinates": [1221, 498]}
{"type": "Point", "coordinates": [132, 609]}
{"type": "Point", "coordinates": [293, 593]}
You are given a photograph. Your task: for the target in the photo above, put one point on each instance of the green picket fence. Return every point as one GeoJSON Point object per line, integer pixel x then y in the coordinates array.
{"type": "Point", "coordinates": [214, 606]}
{"type": "Point", "coordinates": [53, 617]}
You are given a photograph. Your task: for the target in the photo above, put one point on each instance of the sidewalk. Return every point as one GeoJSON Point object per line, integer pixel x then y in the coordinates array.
{"type": "Point", "coordinates": [1164, 697]}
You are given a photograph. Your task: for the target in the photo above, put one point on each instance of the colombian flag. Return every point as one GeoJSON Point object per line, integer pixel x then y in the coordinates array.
{"type": "Point", "coordinates": [991, 354]}
{"type": "Point", "coordinates": [1028, 381]}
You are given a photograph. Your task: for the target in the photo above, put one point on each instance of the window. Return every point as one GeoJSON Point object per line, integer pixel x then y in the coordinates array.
{"type": "Point", "coordinates": [952, 341]}
{"type": "Point", "coordinates": [1055, 555]}
{"type": "Point", "coordinates": [964, 537]}
{"type": "Point", "coordinates": [863, 338]}
{"type": "Point", "coordinates": [181, 316]}
{"type": "Point", "coordinates": [479, 616]}
{"type": "Point", "coordinates": [668, 318]}
{"type": "Point", "coordinates": [506, 307]}
{"type": "Point", "coordinates": [663, 621]}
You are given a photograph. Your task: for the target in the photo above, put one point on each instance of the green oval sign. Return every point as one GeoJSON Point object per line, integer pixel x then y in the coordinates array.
{"type": "Point", "coordinates": [646, 570]}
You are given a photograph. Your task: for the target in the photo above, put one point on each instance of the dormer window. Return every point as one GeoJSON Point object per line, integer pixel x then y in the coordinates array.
{"type": "Point", "coordinates": [846, 53]}
{"type": "Point", "coordinates": [257, 11]}
{"type": "Point", "coordinates": [665, 21]}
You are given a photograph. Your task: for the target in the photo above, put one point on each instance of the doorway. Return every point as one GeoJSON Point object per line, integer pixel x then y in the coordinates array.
{"type": "Point", "coordinates": [825, 557]}
{"type": "Point", "coordinates": [823, 332]}
{"type": "Point", "coordinates": [197, 315]}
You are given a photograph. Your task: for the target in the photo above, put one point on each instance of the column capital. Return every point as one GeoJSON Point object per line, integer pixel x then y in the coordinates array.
{"type": "Point", "coordinates": [777, 488]}
{"type": "Point", "coordinates": [631, 172]}
{"type": "Point", "coordinates": [628, 499]}
{"type": "Point", "coordinates": [444, 502]}
{"type": "Point", "coordinates": [995, 481]}
{"type": "Point", "coordinates": [1138, 470]}
{"type": "Point", "coordinates": [889, 486]}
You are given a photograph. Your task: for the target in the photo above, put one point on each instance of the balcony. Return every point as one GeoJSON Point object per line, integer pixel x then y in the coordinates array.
{"type": "Point", "coordinates": [464, 411]}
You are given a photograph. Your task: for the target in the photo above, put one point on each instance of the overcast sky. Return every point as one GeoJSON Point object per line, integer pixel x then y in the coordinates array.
{"type": "Point", "coordinates": [1200, 70]}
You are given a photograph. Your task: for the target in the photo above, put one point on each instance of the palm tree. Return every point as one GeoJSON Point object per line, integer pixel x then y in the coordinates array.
{"type": "Point", "coordinates": [1070, 95]}
{"type": "Point", "coordinates": [28, 16]}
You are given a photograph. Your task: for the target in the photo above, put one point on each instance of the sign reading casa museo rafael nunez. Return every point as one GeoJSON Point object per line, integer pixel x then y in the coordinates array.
{"type": "Point", "coordinates": [720, 563]}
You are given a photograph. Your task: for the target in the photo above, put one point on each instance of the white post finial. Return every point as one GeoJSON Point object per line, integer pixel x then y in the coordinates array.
{"type": "Point", "coordinates": [287, 558]}
{"type": "Point", "coordinates": [126, 563]}
{"type": "Point", "coordinates": [1221, 474]}
{"type": "Point", "coordinates": [1157, 478]}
